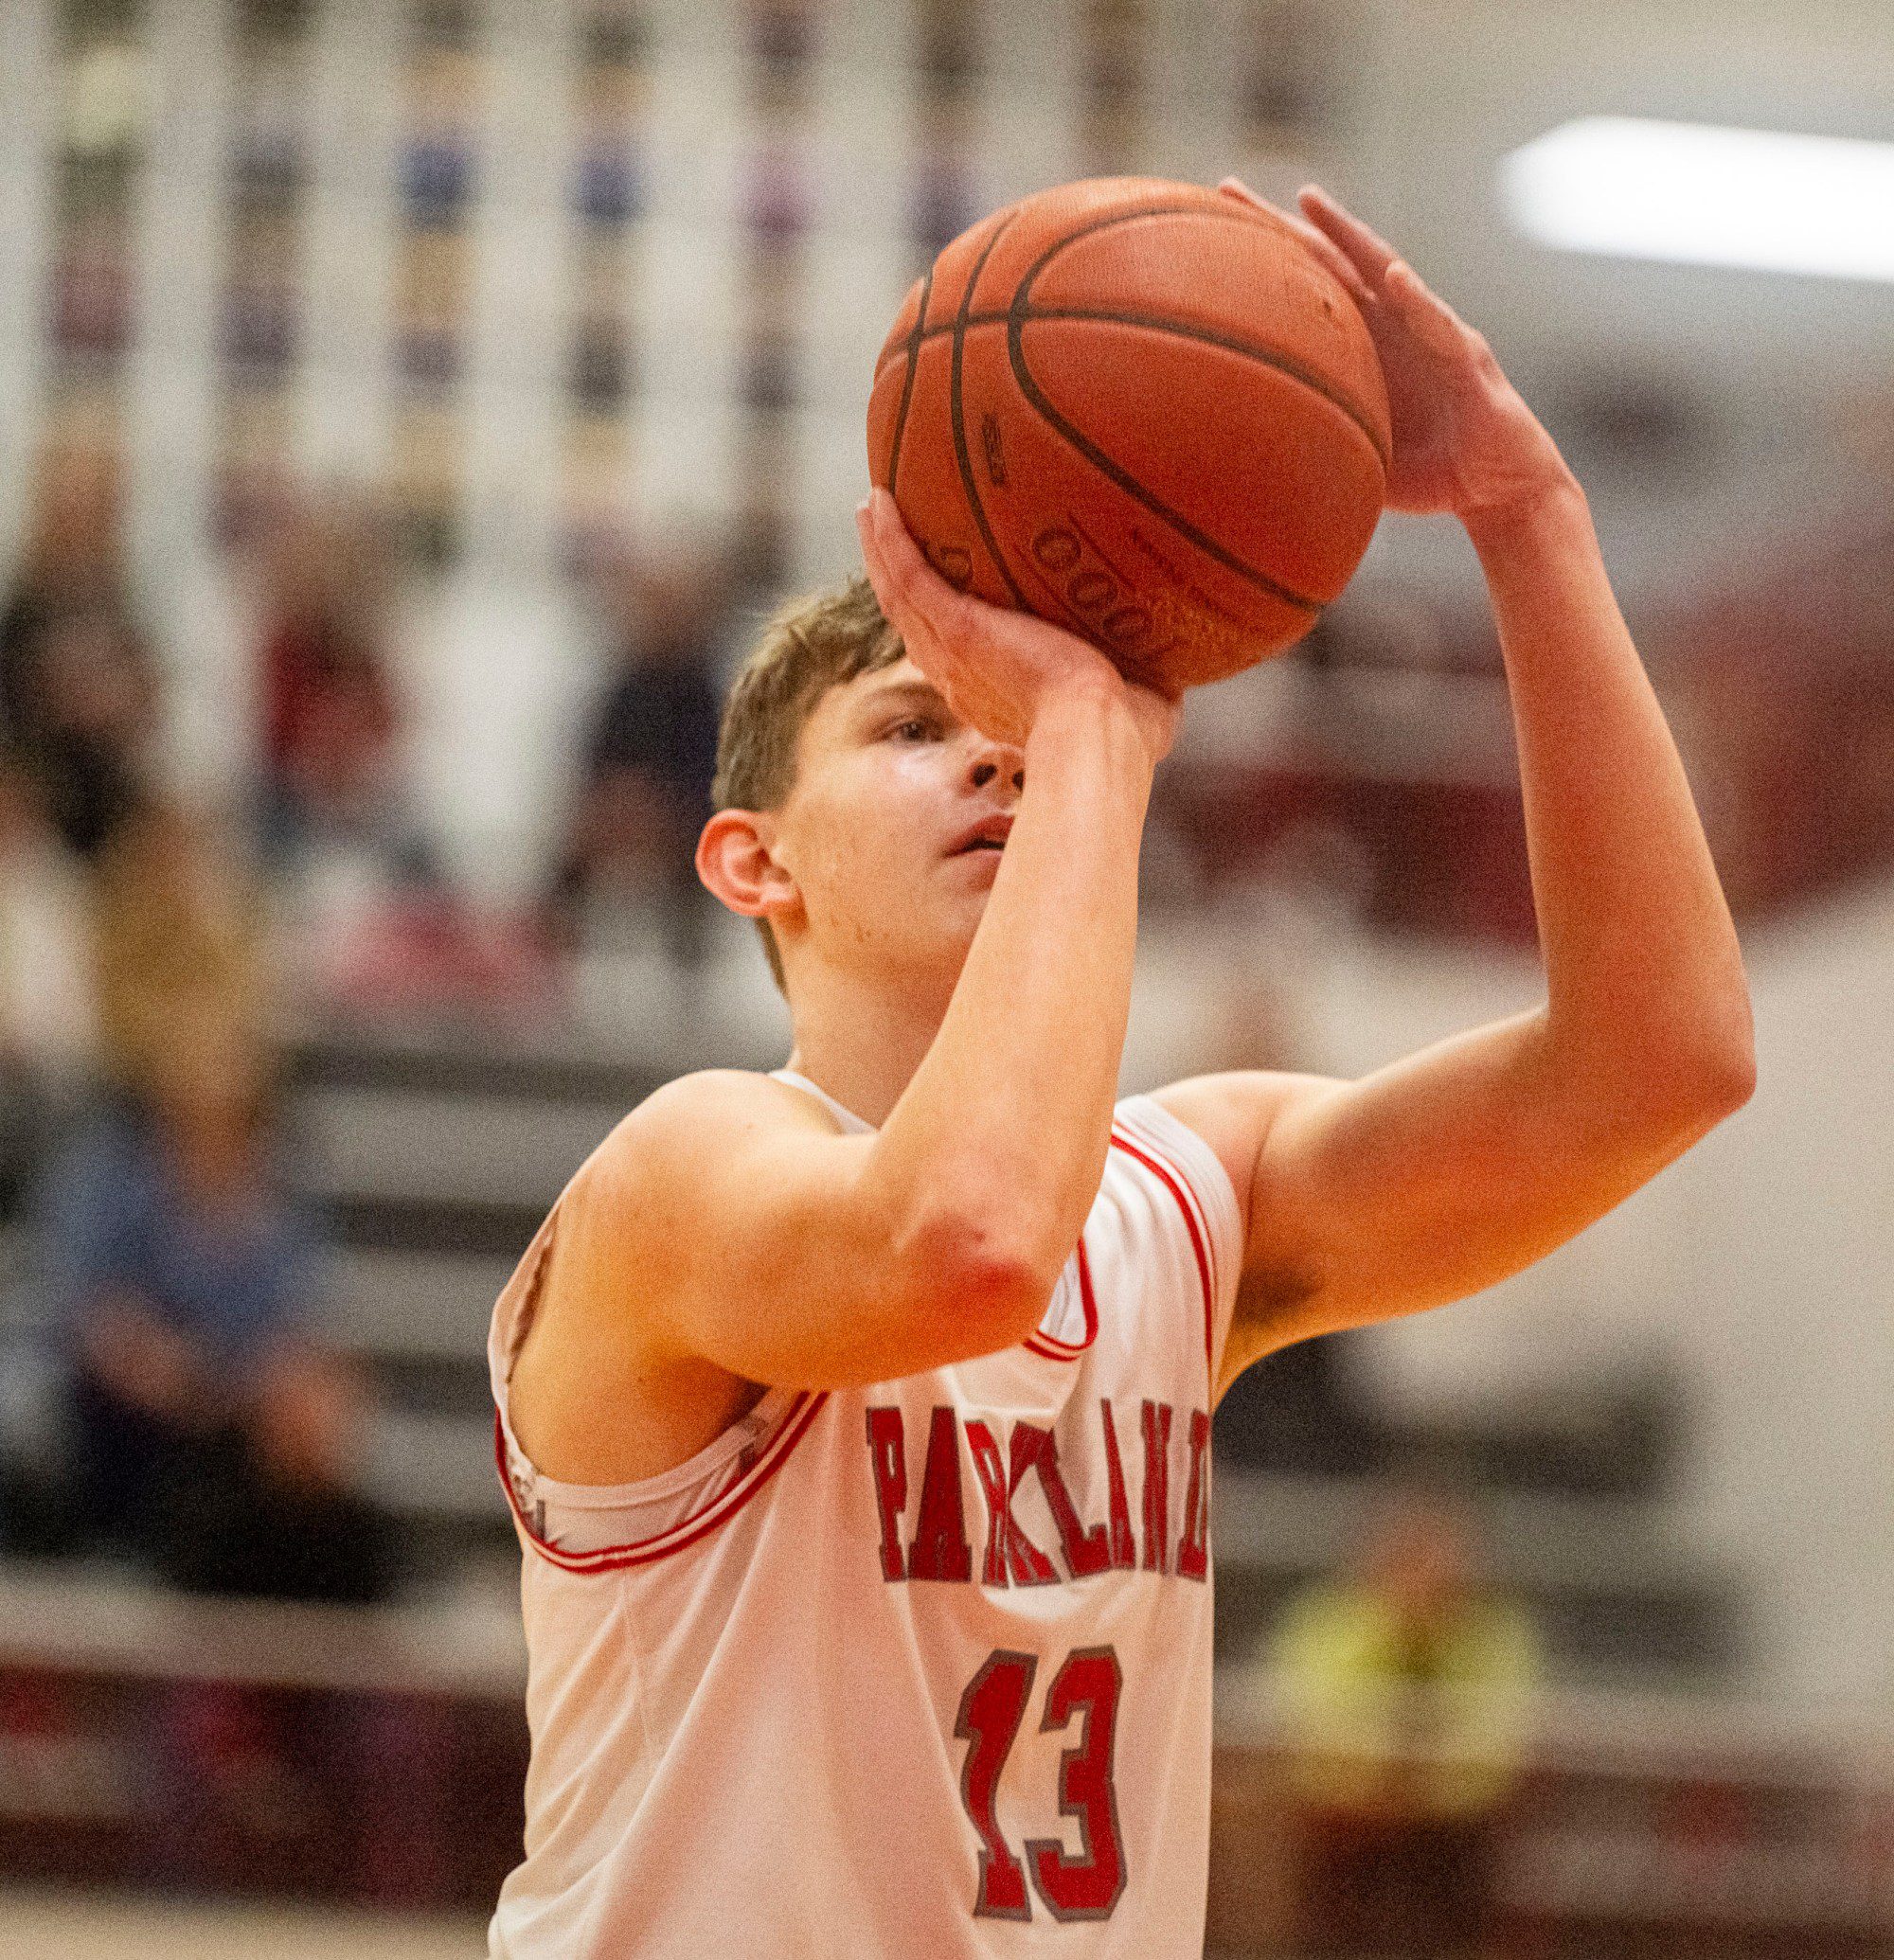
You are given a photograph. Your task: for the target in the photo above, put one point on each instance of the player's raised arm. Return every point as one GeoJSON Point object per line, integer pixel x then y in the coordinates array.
{"type": "Point", "coordinates": [1461, 1165]}
{"type": "Point", "coordinates": [775, 1247]}
{"type": "Point", "coordinates": [1013, 1098]}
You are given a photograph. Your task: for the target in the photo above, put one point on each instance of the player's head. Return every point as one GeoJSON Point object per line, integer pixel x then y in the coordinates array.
{"type": "Point", "coordinates": [846, 796]}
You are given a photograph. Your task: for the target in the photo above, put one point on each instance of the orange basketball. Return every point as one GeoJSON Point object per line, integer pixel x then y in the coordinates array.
{"type": "Point", "coordinates": [1145, 412]}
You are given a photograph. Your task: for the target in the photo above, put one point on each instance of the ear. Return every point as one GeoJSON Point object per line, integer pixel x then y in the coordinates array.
{"type": "Point", "coordinates": [734, 862]}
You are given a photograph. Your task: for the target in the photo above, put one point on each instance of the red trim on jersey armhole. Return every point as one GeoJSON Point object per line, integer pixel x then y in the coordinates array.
{"type": "Point", "coordinates": [1040, 1343]}
{"type": "Point", "coordinates": [686, 1531]}
{"type": "Point", "coordinates": [1177, 1184]}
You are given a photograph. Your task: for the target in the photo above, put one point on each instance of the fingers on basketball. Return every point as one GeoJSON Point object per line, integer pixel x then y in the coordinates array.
{"type": "Point", "coordinates": [1433, 321]}
{"type": "Point", "coordinates": [1366, 250]}
{"type": "Point", "coordinates": [1324, 248]}
{"type": "Point", "coordinates": [913, 595]}
{"type": "Point", "coordinates": [881, 574]}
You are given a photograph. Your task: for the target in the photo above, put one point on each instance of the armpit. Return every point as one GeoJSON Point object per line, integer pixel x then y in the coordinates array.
{"type": "Point", "coordinates": [1268, 1300]}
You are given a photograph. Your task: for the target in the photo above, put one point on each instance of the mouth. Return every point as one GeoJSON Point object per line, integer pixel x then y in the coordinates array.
{"type": "Point", "coordinates": [990, 835]}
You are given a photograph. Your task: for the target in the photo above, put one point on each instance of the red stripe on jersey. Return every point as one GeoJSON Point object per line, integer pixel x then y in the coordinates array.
{"type": "Point", "coordinates": [1203, 1211]}
{"type": "Point", "coordinates": [1039, 1342]}
{"type": "Point", "coordinates": [1177, 1184]}
{"type": "Point", "coordinates": [686, 1531]}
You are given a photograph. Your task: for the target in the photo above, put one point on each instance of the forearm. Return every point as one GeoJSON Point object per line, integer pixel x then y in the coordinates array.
{"type": "Point", "coordinates": [1644, 973]}
{"type": "Point", "coordinates": [1010, 1113]}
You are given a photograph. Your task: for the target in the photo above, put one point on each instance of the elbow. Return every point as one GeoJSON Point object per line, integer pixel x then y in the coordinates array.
{"type": "Point", "coordinates": [1004, 1294]}
{"type": "Point", "coordinates": [1722, 1071]}
{"type": "Point", "coordinates": [1734, 1081]}
{"type": "Point", "coordinates": [1692, 1089]}
{"type": "Point", "coordinates": [983, 1279]}
{"type": "Point", "coordinates": [1662, 1089]}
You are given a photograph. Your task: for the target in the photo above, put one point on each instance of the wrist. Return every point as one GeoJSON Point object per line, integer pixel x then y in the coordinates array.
{"type": "Point", "coordinates": [1553, 503]}
{"type": "Point", "coordinates": [1093, 713]}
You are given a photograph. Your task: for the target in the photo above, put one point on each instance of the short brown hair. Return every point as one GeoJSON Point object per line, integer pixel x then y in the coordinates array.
{"type": "Point", "coordinates": [808, 646]}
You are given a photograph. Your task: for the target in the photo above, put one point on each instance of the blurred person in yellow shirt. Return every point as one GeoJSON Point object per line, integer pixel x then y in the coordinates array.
{"type": "Point", "coordinates": [1406, 1693]}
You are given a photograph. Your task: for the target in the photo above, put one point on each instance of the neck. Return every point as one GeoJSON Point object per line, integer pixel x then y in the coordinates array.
{"type": "Point", "coordinates": [862, 1039]}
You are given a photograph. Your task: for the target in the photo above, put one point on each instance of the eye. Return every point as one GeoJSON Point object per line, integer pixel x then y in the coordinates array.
{"type": "Point", "coordinates": [914, 728]}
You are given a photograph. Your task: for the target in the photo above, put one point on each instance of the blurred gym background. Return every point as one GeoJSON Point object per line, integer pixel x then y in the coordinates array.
{"type": "Point", "coordinates": [407, 410]}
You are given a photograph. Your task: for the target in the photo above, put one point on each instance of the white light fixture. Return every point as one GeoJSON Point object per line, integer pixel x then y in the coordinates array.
{"type": "Point", "coordinates": [1699, 195]}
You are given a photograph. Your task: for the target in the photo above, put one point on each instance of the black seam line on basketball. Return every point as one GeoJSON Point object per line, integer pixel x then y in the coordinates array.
{"type": "Point", "coordinates": [1271, 357]}
{"type": "Point", "coordinates": [1132, 488]}
{"type": "Point", "coordinates": [1018, 313]}
{"type": "Point", "coordinates": [1263, 357]}
{"type": "Point", "coordinates": [1177, 330]}
{"type": "Point", "coordinates": [907, 384]}
{"type": "Point", "coordinates": [960, 453]}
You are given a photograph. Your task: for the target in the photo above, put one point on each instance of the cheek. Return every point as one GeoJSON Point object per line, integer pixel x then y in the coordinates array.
{"type": "Point", "coordinates": [873, 835]}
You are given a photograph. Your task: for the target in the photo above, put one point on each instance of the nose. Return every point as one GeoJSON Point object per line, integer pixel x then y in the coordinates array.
{"type": "Point", "coordinates": [993, 761]}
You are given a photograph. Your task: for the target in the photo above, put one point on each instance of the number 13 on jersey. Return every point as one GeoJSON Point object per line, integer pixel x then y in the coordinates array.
{"type": "Point", "coordinates": [1084, 1690]}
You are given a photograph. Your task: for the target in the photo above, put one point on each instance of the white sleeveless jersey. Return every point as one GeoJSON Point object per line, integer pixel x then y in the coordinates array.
{"type": "Point", "coordinates": [915, 1669]}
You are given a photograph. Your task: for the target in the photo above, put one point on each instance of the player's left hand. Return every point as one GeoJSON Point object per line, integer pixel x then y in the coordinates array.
{"type": "Point", "coordinates": [1464, 441]}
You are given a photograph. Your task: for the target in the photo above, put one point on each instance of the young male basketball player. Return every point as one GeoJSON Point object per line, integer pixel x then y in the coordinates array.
{"type": "Point", "coordinates": [856, 1418]}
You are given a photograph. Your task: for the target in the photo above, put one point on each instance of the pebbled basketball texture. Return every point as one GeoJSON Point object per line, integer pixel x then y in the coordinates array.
{"type": "Point", "coordinates": [1142, 410]}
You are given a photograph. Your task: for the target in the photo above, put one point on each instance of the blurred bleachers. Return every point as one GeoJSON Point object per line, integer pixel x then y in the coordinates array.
{"type": "Point", "coordinates": [1657, 1801]}
{"type": "Point", "coordinates": [434, 1164]}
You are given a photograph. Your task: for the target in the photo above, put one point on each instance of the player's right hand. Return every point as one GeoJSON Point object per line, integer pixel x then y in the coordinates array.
{"type": "Point", "coordinates": [1464, 441]}
{"type": "Point", "coordinates": [996, 669]}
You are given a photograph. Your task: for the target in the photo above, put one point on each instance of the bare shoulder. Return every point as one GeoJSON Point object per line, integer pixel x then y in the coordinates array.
{"type": "Point", "coordinates": [671, 1176]}
{"type": "Point", "coordinates": [608, 1385]}
{"type": "Point", "coordinates": [696, 1123]}
{"type": "Point", "coordinates": [1233, 1113]}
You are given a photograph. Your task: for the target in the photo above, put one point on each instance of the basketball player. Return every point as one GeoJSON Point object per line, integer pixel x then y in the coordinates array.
{"type": "Point", "coordinates": [856, 1417]}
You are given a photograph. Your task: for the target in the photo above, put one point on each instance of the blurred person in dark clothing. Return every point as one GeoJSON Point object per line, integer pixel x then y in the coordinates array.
{"type": "Point", "coordinates": [70, 561]}
{"type": "Point", "coordinates": [649, 752]}
{"type": "Point", "coordinates": [1406, 1691]}
{"type": "Point", "coordinates": [211, 1432]}
{"type": "Point", "coordinates": [77, 683]}
{"type": "Point", "coordinates": [333, 773]}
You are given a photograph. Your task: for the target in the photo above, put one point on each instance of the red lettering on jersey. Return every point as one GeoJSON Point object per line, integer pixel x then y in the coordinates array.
{"type": "Point", "coordinates": [1124, 1547]}
{"type": "Point", "coordinates": [940, 1550]}
{"type": "Point", "coordinates": [887, 1462]}
{"type": "Point", "coordinates": [1156, 1422]}
{"type": "Point", "coordinates": [1086, 1552]}
{"type": "Point", "coordinates": [1009, 1552]}
{"type": "Point", "coordinates": [1194, 1548]}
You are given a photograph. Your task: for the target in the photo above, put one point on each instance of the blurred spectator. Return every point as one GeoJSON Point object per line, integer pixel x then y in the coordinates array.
{"type": "Point", "coordinates": [333, 766]}
{"type": "Point", "coordinates": [177, 944]}
{"type": "Point", "coordinates": [77, 683]}
{"type": "Point", "coordinates": [211, 1434]}
{"type": "Point", "coordinates": [1405, 1692]}
{"type": "Point", "coordinates": [648, 755]}
{"type": "Point", "coordinates": [47, 1032]}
